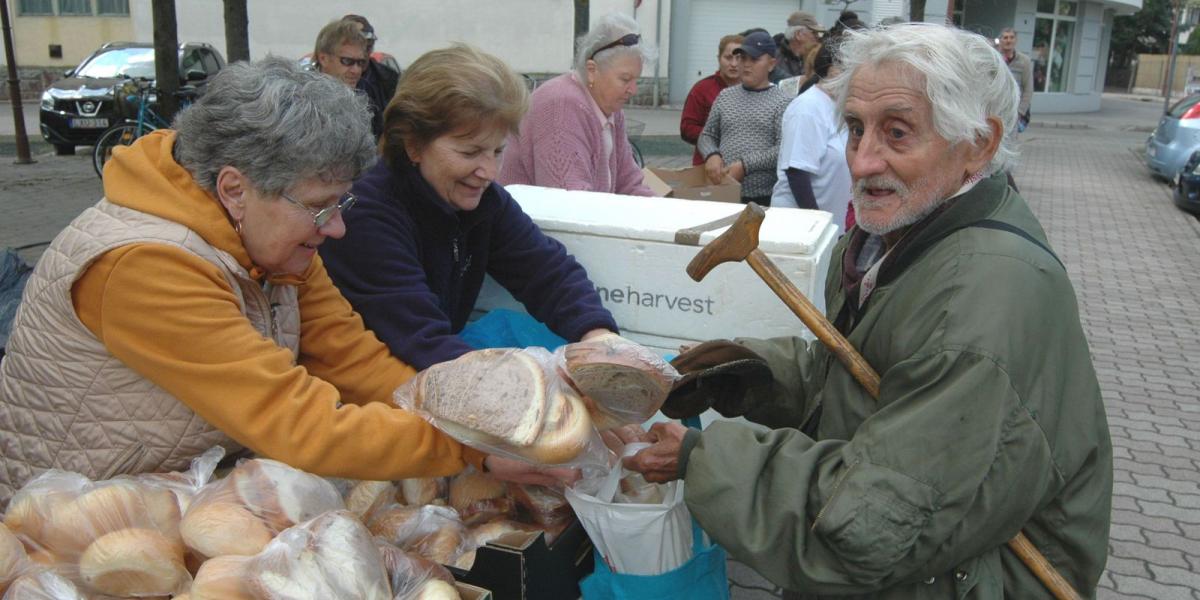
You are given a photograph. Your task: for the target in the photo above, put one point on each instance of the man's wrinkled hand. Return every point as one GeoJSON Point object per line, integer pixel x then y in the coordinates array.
{"type": "Point", "coordinates": [516, 471]}
{"type": "Point", "coordinates": [660, 462]}
{"type": "Point", "coordinates": [616, 439]}
{"type": "Point", "coordinates": [714, 168]}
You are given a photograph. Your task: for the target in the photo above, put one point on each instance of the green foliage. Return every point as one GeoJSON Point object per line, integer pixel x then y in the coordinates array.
{"type": "Point", "coordinates": [1147, 31]}
{"type": "Point", "coordinates": [1193, 43]}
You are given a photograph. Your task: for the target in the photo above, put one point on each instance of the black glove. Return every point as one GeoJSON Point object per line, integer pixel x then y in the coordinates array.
{"type": "Point", "coordinates": [716, 374]}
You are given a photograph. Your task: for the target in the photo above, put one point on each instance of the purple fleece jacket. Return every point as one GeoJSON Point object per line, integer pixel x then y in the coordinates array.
{"type": "Point", "coordinates": [412, 266]}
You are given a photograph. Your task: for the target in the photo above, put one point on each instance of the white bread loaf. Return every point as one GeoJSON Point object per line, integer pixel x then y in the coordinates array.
{"type": "Point", "coordinates": [134, 562]}
{"type": "Point", "coordinates": [436, 589]}
{"type": "Point", "coordinates": [223, 528]}
{"type": "Point", "coordinates": [624, 381]}
{"type": "Point", "coordinates": [403, 567]}
{"type": "Point", "coordinates": [13, 560]}
{"type": "Point", "coordinates": [330, 557]}
{"type": "Point", "coordinates": [222, 578]}
{"type": "Point", "coordinates": [108, 507]}
{"type": "Point", "coordinates": [30, 508]}
{"type": "Point", "coordinates": [281, 495]}
{"type": "Point", "coordinates": [43, 585]}
{"type": "Point", "coordinates": [566, 433]}
{"type": "Point", "coordinates": [366, 496]}
{"type": "Point", "coordinates": [421, 491]}
{"type": "Point", "coordinates": [501, 393]}
{"type": "Point", "coordinates": [442, 546]}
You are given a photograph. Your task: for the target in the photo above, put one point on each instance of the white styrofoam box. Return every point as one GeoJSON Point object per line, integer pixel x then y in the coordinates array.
{"type": "Point", "coordinates": [627, 244]}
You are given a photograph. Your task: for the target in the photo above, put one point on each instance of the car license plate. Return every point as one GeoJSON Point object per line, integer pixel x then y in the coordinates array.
{"type": "Point", "coordinates": [96, 123]}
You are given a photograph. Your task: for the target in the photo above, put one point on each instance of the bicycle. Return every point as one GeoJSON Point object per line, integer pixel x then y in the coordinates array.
{"type": "Point", "coordinates": [135, 93]}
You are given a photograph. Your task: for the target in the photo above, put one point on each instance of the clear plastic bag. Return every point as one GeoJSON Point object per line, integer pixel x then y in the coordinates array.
{"type": "Point", "coordinates": [118, 537]}
{"type": "Point", "coordinates": [223, 578]}
{"type": "Point", "coordinates": [240, 514]}
{"type": "Point", "coordinates": [422, 491]}
{"type": "Point", "coordinates": [184, 484]}
{"type": "Point", "coordinates": [364, 497]}
{"type": "Point", "coordinates": [510, 403]}
{"type": "Point", "coordinates": [331, 557]}
{"type": "Point", "coordinates": [42, 584]}
{"type": "Point", "coordinates": [479, 498]}
{"type": "Point", "coordinates": [412, 575]}
{"type": "Point", "coordinates": [544, 507]}
{"type": "Point", "coordinates": [620, 381]}
{"type": "Point", "coordinates": [13, 559]}
{"type": "Point", "coordinates": [435, 532]}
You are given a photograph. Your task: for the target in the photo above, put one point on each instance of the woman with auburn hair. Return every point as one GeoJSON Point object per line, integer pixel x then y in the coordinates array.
{"type": "Point", "coordinates": [431, 221]}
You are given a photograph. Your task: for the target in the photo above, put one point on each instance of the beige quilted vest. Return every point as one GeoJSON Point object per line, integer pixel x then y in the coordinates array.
{"type": "Point", "coordinates": [65, 403]}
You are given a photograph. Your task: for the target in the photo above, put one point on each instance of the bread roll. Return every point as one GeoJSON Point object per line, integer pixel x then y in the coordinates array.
{"type": "Point", "coordinates": [498, 392]}
{"type": "Point", "coordinates": [133, 562]}
{"type": "Point", "coordinates": [421, 491]}
{"type": "Point", "coordinates": [442, 546]}
{"type": "Point", "coordinates": [348, 555]}
{"type": "Point", "coordinates": [331, 557]}
{"type": "Point", "coordinates": [395, 523]}
{"type": "Point", "coordinates": [544, 505]}
{"type": "Point", "coordinates": [222, 528]}
{"type": "Point", "coordinates": [281, 495]}
{"type": "Point", "coordinates": [72, 526]}
{"type": "Point", "coordinates": [436, 589]}
{"type": "Point", "coordinates": [470, 487]}
{"type": "Point", "coordinates": [488, 532]}
{"type": "Point", "coordinates": [13, 559]}
{"type": "Point", "coordinates": [366, 496]}
{"type": "Point", "coordinates": [222, 578]}
{"type": "Point", "coordinates": [566, 433]}
{"type": "Point", "coordinates": [30, 508]}
{"type": "Point", "coordinates": [43, 585]}
{"type": "Point", "coordinates": [403, 567]}
{"type": "Point", "coordinates": [488, 510]}
{"type": "Point", "coordinates": [626, 382]}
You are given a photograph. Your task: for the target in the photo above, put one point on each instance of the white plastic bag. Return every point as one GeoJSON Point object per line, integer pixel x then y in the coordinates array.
{"type": "Point", "coordinates": [636, 539]}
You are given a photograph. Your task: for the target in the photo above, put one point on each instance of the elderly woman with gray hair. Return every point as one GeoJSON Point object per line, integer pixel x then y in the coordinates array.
{"type": "Point", "coordinates": [188, 307]}
{"type": "Point", "coordinates": [574, 135]}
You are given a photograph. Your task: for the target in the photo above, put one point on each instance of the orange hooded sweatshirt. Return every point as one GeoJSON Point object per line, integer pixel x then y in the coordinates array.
{"type": "Point", "coordinates": [172, 317]}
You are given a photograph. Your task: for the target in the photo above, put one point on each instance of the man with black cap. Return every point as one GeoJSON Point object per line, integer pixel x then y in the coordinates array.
{"type": "Point", "coordinates": [802, 36]}
{"type": "Point", "coordinates": [378, 80]}
{"type": "Point", "coordinates": [741, 136]}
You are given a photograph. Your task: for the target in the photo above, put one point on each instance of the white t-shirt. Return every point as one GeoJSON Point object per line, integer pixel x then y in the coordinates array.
{"type": "Point", "coordinates": [813, 140]}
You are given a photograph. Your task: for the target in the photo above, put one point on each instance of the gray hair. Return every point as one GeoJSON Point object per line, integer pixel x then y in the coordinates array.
{"type": "Point", "coordinates": [276, 124]}
{"type": "Point", "coordinates": [965, 79]}
{"type": "Point", "coordinates": [611, 28]}
{"type": "Point", "coordinates": [1008, 30]}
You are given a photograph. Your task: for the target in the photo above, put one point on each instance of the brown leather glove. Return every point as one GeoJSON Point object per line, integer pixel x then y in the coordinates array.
{"type": "Point", "coordinates": [716, 374]}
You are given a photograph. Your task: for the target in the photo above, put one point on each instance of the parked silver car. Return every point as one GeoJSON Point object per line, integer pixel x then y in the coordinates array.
{"type": "Point", "coordinates": [1175, 139]}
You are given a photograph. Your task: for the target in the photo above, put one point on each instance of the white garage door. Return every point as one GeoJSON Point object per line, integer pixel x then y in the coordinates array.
{"type": "Point", "coordinates": [709, 20]}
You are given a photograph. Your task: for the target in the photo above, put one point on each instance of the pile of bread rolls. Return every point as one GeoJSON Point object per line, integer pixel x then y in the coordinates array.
{"type": "Point", "coordinates": [265, 531]}
{"type": "Point", "coordinates": [539, 406]}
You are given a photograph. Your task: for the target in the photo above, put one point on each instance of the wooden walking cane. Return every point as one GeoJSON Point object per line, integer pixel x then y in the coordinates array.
{"type": "Point", "coordinates": [740, 242]}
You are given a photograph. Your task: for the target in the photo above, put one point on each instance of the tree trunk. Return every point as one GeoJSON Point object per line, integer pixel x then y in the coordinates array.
{"type": "Point", "coordinates": [166, 57]}
{"type": "Point", "coordinates": [581, 17]}
{"type": "Point", "coordinates": [237, 31]}
{"type": "Point", "coordinates": [916, 10]}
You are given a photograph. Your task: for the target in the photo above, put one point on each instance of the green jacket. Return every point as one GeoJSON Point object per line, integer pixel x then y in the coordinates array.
{"type": "Point", "coordinates": [989, 421]}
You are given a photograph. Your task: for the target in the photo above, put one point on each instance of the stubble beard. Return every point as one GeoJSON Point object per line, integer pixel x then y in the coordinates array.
{"type": "Point", "coordinates": [916, 203]}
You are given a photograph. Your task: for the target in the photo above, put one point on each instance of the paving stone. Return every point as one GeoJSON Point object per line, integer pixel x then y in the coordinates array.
{"type": "Point", "coordinates": [1130, 587]}
{"type": "Point", "coordinates": [1173, 576]}
{"type": "Point", "coordinates": [1148, 554]}
{"type": "Point", "coordinates": [1141, 492]}
{"type": "Point", "coordinates": [1188, 546]}
{"type": "Point", "coordinates": [1149, 523]}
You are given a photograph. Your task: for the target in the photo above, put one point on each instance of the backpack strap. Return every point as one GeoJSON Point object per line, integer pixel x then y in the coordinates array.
{"type": "Point", "coordinates": [1013, 229]}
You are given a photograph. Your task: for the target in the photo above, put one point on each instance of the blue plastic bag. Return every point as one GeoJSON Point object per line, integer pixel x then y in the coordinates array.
{"type": "Point", "coordinates": [701, 578]}
{"type": "Point", "coordinates": [14, 274]}
{"type": "Point", "coordinates": [503, 328]}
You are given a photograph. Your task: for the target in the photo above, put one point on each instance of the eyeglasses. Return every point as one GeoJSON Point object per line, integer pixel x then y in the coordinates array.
{"type": "Point", "coordinates": [353, 62]}
{"type": "Point", "coordinates": [321, 217]}
{"type": "Point", "coordinates": [631, 39]}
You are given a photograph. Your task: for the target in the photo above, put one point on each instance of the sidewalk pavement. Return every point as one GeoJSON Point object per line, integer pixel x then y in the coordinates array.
{"type": "Point", "coordinates": [1133, 259]}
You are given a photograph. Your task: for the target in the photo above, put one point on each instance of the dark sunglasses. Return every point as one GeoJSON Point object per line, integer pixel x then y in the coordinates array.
{"type": "Point", "coordinates": [631, 39]}
{"type": "Point", "coordinates": [353, 62]}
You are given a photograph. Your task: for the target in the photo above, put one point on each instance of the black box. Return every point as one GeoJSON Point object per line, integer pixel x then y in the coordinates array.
{"type": "Point", "coordinates": [520, 566]}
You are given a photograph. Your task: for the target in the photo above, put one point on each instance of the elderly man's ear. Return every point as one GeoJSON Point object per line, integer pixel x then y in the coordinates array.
{"type": "Point", "coordinates": [981, 152]}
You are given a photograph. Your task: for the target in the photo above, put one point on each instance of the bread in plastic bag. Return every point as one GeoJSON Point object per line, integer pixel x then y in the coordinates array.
{"type": "Point", "coordinates": [43, 584]}
{"type": "Point", "coordinates": [223, 578]}
{"type": "Point", "coordinates": [543, 506]}
{"type": "Point", "coordinates": [479, 498]}
{"type": "Point", "coordinates": [423, 490]}
{"type": "Point", "coordinates": [240, 514]}
{"type": "Point", "coordinates": [331, 557]}
{"type": "Point", "coordinates": [134, 562]}
{"type": "Point", "coordinates": [414, 577]}
{"type": "Point", "coordinates": [507, 402]}
{"type": "Point", "coordinates": [621, 381]}
{"type": "Point", "coordinates": [435, 532]}
{"type": "Point", "coordinates": [364, 497]}
{"type": "Point", "coordinates": [13, 559]}
{"type": "Point", "coordinates": [480, 535]}
{"type": "Point", "coordinates": [184, 484]}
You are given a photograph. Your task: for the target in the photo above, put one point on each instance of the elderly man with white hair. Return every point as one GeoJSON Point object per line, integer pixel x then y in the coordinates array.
{"type": "Point", "coordinates": [989, 419]}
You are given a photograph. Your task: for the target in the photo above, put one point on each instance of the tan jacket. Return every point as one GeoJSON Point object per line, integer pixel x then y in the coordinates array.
{"type": "Point", "coordinates": [67, 404]}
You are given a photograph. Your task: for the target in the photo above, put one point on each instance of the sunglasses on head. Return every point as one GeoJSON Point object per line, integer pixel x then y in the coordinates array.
{"type": "Point", "coordinates": [631, 39]}
{"type": "Point", "coordinates": [353, 62]}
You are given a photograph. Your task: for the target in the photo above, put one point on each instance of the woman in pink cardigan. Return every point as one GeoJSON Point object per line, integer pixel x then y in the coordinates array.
{"type": "Point", "coordinates": [574, 134]}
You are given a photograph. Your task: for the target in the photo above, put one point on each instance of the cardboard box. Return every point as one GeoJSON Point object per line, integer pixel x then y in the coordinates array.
{"type": "Point", "coordinates": [471, 592]}
{"type": "Point", "coordinates": [521, 566]}
{"type": "Point", "coordinates": [690, 183]}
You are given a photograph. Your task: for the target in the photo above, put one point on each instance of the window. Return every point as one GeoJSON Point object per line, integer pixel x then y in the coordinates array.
{"type": "Point", "coordinates": [75, 7]}
{"type": "Point", "coordinates": [35, 7]}
{"type": "Point", "coordinates": [1053, 35]}
{"type": "Point", "coordinates": [112, 7]}
{"type": "Point", "coordinates": [211, 66]}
